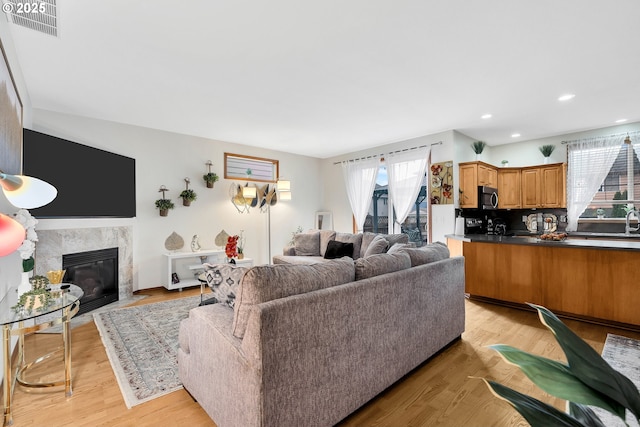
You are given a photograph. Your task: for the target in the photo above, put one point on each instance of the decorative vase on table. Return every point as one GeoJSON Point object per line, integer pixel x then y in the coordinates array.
{"type": "Point", "coordinates": [25, 285]}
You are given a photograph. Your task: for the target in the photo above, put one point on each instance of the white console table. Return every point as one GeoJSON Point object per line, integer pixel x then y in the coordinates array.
{"type": "Point", "coordinates": [188, 266]}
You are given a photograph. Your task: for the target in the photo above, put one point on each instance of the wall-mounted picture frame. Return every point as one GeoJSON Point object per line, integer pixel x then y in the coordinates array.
{"type": "Point", "coordinates": [324, 220]}
{"type": "Point", "coordinates": [250, 168]}
{"type": "Point", "coordinates": [11, 123]}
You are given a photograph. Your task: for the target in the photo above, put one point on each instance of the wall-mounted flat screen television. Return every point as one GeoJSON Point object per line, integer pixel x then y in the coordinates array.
{"type": "Point", "coordinates": [91, 183]}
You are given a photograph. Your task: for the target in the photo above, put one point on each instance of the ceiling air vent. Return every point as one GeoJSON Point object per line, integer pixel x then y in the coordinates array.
{"type": "Point", "coordinates": [38, 15]}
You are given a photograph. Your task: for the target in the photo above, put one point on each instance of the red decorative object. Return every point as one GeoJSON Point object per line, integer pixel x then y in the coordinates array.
{"type": "Point", "coordinates": [232, 247]}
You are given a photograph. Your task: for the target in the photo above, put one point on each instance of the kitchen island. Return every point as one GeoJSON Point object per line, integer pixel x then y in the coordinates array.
{"type": "Point", "coordinates": [594, 279]}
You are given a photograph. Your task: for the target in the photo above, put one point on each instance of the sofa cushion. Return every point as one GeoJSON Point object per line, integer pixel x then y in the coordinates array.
{"type": "Point", "coordinates": [224, 281]}
{"type": "Point", "coordinates": [292, 259]}
{"type": "Point", "coordinates": [377, 264]}
{"type": "Point", "coordinates": [325, 237]}
{"type": "Point", "coordinates": [429, 253]}
{"type": "Point", "coordinates": [307, 244]}
{"type": "Point", "coordinates": [398, 247]}
{"type": "Point", "coordinates": [337, 249]}
{"type": "Point", "coordinates": [356, 239]}
{"type": "Point", "coordinates": [396, 238]}
{"type": "Point", "coordinates": [269, 282]}
{"type": "Point", "coordinates": [377, 246]}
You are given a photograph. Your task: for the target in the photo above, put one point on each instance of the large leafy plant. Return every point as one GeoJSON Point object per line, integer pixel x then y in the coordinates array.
{"type": "Point", "coordinates": [585, 380]}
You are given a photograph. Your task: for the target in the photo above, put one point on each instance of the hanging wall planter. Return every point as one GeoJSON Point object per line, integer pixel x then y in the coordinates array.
{"type": "Point", "coordinates": [210, 178]}
{"type": "Point", "coordinates": [188, 195]}
{"type": "Point", "coordinates": [163, 205]}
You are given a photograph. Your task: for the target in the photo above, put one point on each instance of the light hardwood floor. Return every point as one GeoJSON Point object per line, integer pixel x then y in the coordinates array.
{"type": "Point", "coordinates": [441, 392]}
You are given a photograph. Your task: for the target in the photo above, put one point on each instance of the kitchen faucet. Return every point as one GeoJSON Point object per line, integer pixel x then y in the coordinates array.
{"type": "Point", "coordinates": [627, 227]}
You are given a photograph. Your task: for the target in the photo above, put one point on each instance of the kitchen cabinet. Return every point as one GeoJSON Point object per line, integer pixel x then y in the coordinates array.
{"type": "Point", "coordinates": [598, 284]}
{"type": "Point", "coordinates": [544, 186]}
{"type": "Point", "coordinates": [509, 188]}
{"type": "Point", "coordinates": [472, 175]}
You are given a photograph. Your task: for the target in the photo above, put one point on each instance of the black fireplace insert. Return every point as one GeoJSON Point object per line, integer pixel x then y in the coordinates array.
{"type": "Point", "coordinates": [96, 272]}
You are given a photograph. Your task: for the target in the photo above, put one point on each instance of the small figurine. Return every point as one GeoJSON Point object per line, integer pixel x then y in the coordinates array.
{"type": "Point", "coordinates": [195, 243]}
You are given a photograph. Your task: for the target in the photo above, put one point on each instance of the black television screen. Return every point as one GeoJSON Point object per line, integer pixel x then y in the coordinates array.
{"type": "Point", "coordinates": [91, 183]}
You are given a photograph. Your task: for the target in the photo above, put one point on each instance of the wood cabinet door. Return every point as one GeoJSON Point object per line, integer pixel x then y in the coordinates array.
{"type": "Point", "coordinates": [468, 185]}
{"type": "Point", "coordinates": [509, 189]}
{"type": "Point", "coordinates": [553, 186]}
{"type": "Point", "coordinates": [487, 176]}
{"type": "Point", "coordinates": [530, 187]}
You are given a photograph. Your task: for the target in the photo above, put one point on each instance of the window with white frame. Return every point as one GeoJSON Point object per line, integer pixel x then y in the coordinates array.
{"type": "Point", "coordinates": [619, 190]}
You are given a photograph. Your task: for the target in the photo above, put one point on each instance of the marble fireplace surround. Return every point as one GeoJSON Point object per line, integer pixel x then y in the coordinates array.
{"type": "Point", "coordinates": [52, 244]}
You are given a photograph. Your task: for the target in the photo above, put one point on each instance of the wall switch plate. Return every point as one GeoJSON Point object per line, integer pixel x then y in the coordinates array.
{"type": "Point", "coordinates": [525, 218]}
{"type": "Point", "coordinates": [563, 218]}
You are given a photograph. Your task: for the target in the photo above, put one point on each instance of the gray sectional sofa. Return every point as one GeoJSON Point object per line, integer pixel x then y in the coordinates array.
{"type": "Point", "coordinates": [311, 246]}
{"type": "Point", "coordinates": [307, 345]}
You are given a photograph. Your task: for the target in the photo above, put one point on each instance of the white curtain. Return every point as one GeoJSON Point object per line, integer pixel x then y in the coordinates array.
{"type": "Point", "coordinates": [589, 163]}
{"type": "Point", "coordinates": [406, 173]}
{"type": "Point", "coordinates": [360, 180]}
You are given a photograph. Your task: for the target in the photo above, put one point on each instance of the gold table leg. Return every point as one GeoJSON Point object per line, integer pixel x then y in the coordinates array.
{"type": "Point", "coordinates": [6, 387]}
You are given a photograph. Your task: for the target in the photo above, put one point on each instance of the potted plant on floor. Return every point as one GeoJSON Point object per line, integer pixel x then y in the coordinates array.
{"type": "Point", "coordinates": [187, 194]}
{"type": "Point", "coordinates": [164, 204]}
{"type": "Point", "coordinates": [211, 177]}
{"type": "Point", "coordinates": [585, 380]}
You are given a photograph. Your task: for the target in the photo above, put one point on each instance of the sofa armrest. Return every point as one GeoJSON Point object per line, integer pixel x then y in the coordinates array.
{"type": "Point", "coordinates": [289, 250]}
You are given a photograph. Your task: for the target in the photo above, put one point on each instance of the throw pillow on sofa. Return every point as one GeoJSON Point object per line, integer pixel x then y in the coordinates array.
{"type": "Point", "coordinates": [356, 239]}
{"type": "Point", "coordinates": [224, 281]}
{"type": "Point", "coordinates": [337, 249]}
{"type": "Point", "coordinates": [307, 244]}
{"type": "Point", "coordinates": [426, 254]}
{"type": "Point", "coordinates": [399, 246]}
{"type": "Point", "coordinates": [375, 265]}
{"type": "Point", "coordinates": [378, 245]}
{"type": "Point", "coordinates": [269, 282]}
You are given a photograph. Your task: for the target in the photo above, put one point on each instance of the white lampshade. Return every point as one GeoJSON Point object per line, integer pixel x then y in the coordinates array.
{"type": "Point", "coordinates": [249, 192]}
{"type": "Point", "coordinates": [12, 234]}
{"type": "Point", "coordinates": [27, 192]}
{"type": "Point", "coordinates": [285, 195]}
{"type": "Point", "coordinates": [283, 185]}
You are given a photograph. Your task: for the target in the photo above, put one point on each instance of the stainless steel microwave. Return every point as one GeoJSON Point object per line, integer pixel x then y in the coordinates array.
{"type": "Point", "coordinates": [487, 198]}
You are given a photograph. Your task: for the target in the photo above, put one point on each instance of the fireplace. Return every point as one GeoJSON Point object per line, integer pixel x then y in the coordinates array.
{"type": "Point", "coordinates": [96, 272]}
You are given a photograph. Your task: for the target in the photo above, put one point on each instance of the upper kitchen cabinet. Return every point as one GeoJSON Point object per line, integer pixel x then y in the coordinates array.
{"type": "Point", "coordinates": [472, 175]}
{"type": "Point", "coordinates": [544, 186]}
{"type": "Point", "coordinates": [509, 188]}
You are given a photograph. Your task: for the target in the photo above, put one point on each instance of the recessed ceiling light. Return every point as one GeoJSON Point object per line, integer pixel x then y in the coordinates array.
{"type": "Point", "coordinates": [515, 135]}
{"type": "Point", "coordinates": [621, 120]}
{"type": "Point", "coordinates": [566, 97]}
{"type": "Point", "coordinates": [486, 116]}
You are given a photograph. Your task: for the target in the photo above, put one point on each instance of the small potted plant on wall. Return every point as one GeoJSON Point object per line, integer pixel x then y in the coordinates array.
{"type": "Point", "coordinates": [546, 151]}
{"type": "Point", "coordinates": [164, 204]}
{"type": "Point", "coordinates": [187, 194]}
{"type": "Point", "coordinates": [211, 177]}
{"type": "Point", "coordinates": [478, 148]}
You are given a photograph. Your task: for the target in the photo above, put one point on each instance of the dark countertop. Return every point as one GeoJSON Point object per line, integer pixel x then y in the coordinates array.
{"type": "Point", "coordinates": [574, 241]}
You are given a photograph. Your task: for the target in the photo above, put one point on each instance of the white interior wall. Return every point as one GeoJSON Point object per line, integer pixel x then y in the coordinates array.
{"type": "Point", "coordinates": [442, 219]}
{"type": "Point", "coordinates": [164, 158]}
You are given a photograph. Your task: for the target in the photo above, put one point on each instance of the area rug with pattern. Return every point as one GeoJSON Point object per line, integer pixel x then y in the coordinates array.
{"type": "Point", "coordinates": [142, 345]}
{"type": "Point", "coordinates": [623, 354]}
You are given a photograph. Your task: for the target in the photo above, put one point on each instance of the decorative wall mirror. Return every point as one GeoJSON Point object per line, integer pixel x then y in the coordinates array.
{"type": "Point", "coordinates": [249, 168]}
{"type": "Point", "coordinates": [324, 220]}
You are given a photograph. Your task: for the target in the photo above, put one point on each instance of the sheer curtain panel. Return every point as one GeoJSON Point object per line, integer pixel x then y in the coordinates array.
{"type": "Point", "coordinates": [406, 171]}
{"type": "Point", "coordinates": [360, 180]}
{"type": "Point", "coordinates": [589, 162]}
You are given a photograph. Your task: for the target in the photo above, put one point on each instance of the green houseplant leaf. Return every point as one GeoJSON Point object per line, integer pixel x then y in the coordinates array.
{"type": "Point", "coordinates": [536, 412]}
{"type": "Point", "coordinates": [556, 379]}
{"type": "Point", "coordinates": [587, 365]}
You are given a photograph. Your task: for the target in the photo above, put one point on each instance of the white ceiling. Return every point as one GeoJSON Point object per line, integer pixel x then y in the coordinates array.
{"type": "Point", "coordinates": [327, 77]}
